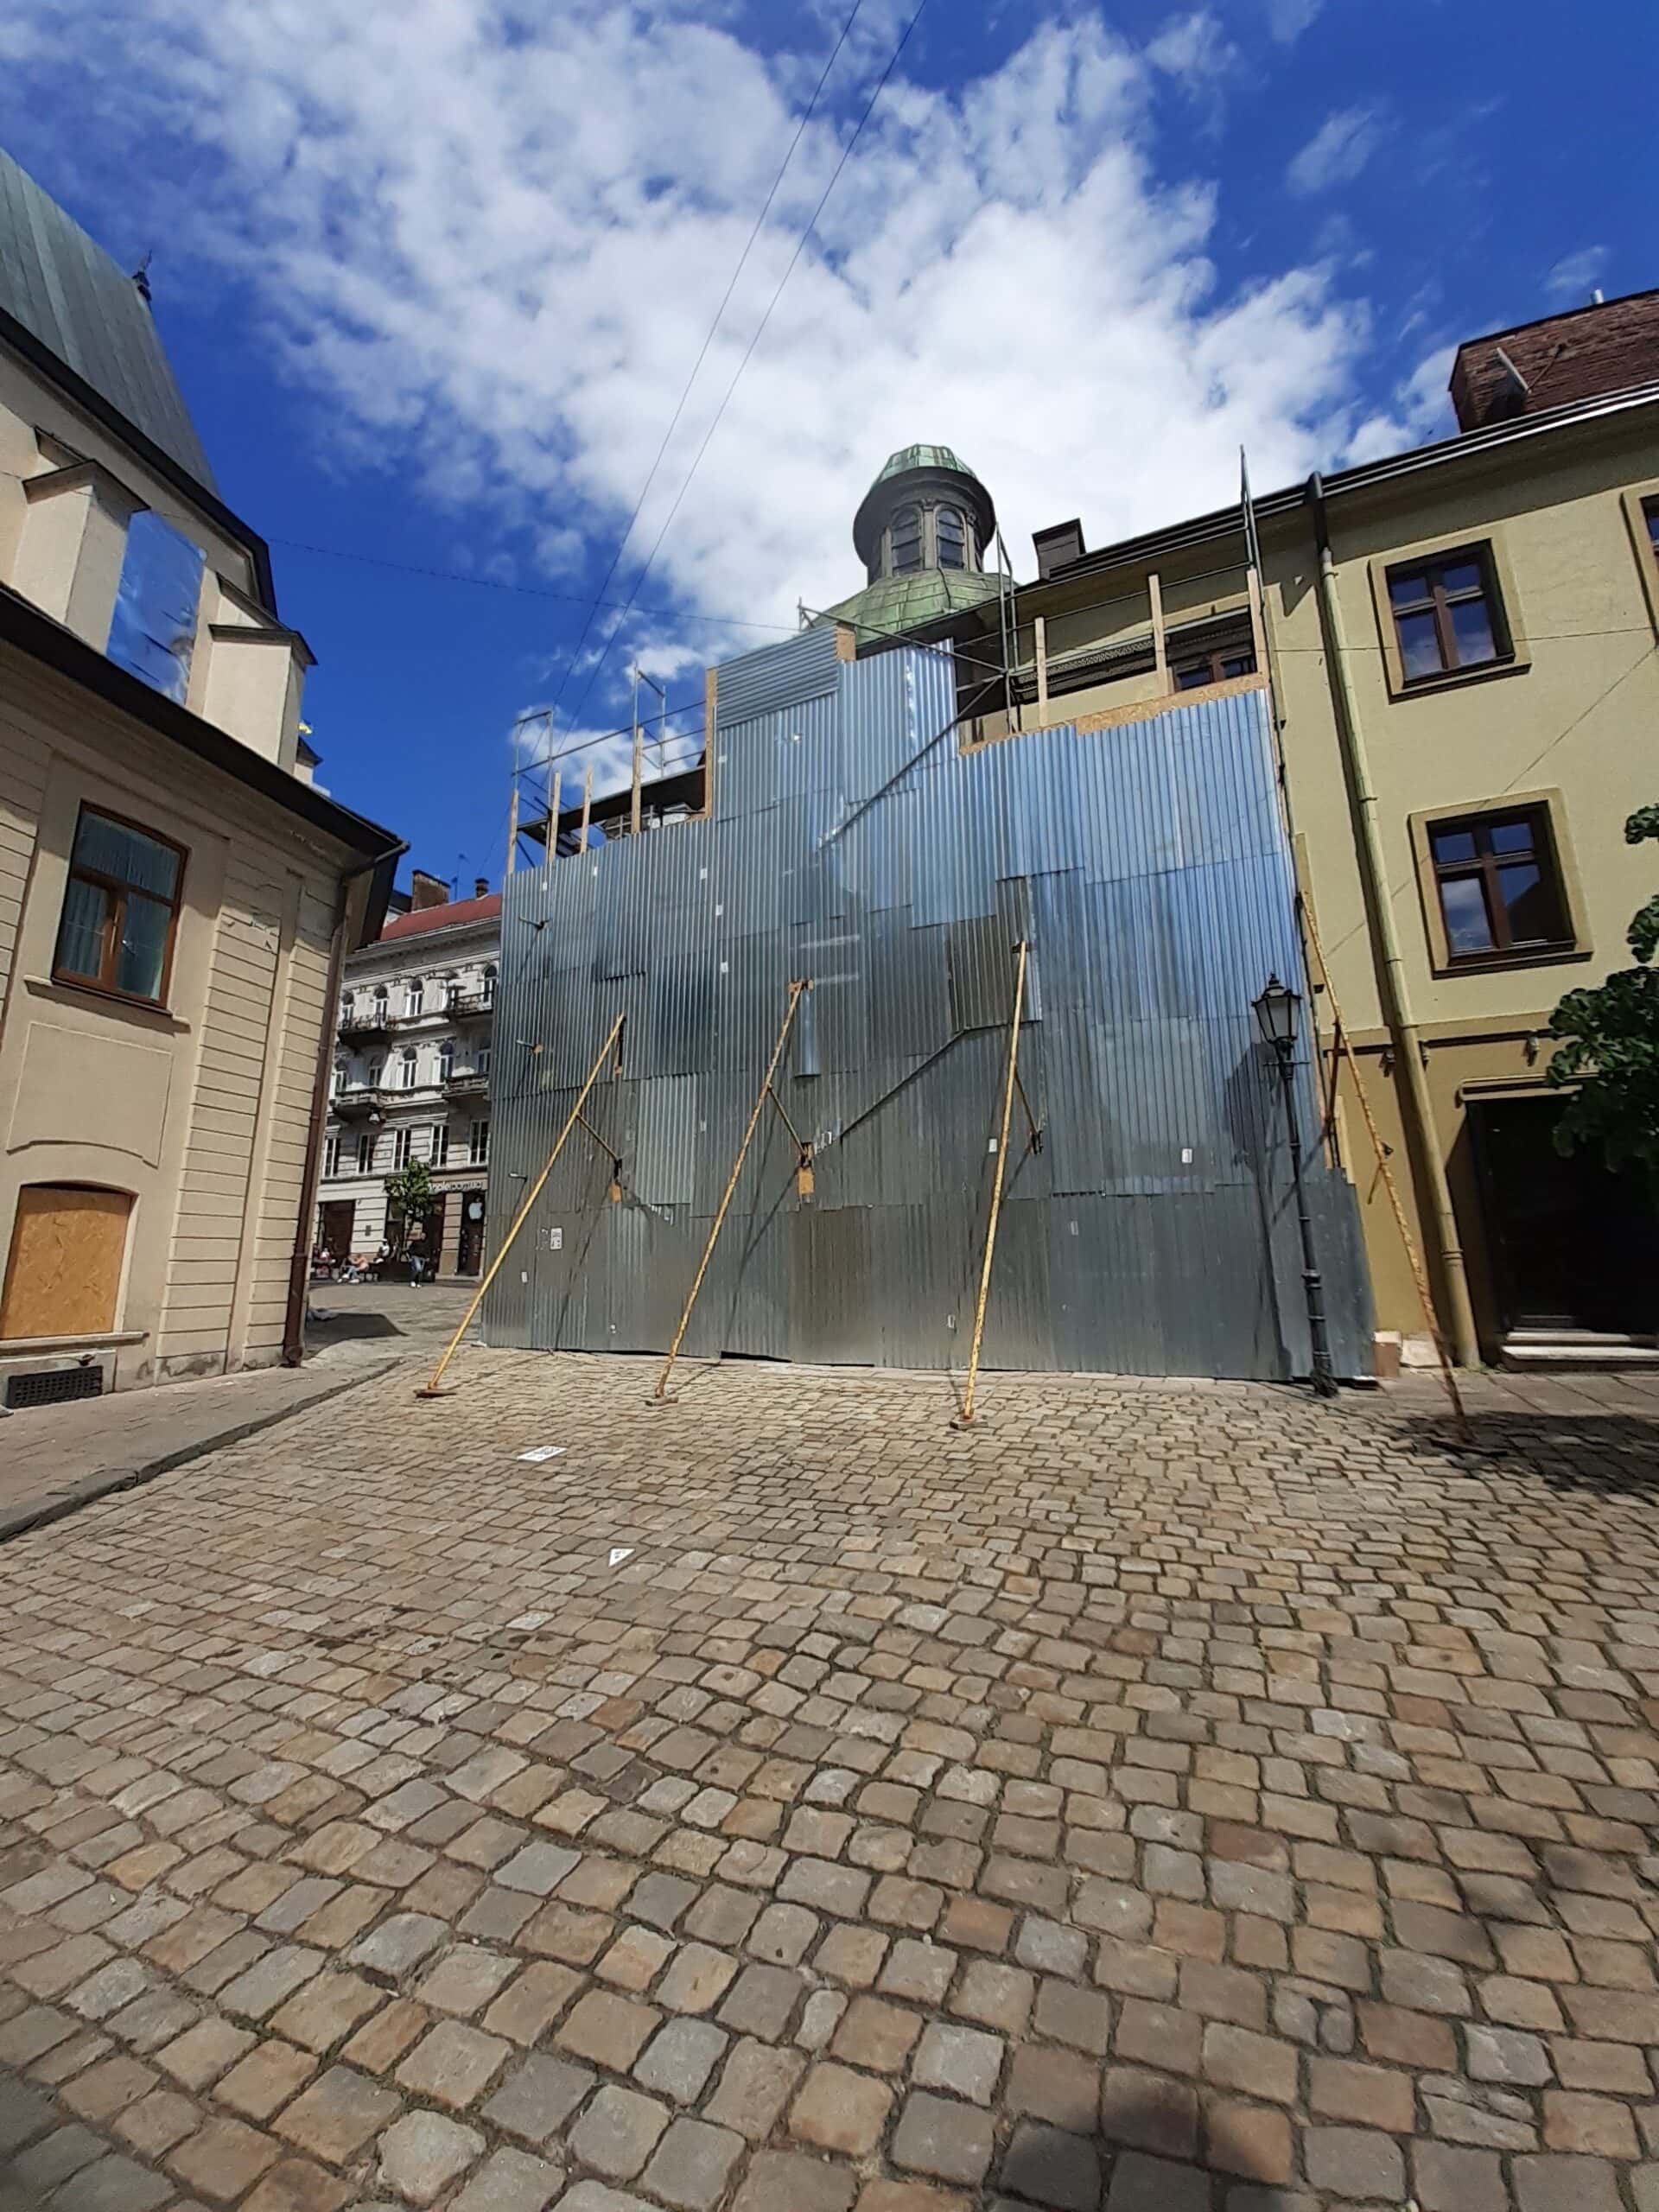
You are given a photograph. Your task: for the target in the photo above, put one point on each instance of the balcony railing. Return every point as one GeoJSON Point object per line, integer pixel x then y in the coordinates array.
{"type": "Point", "coordinates": [360, 1028]}
{"type": "Point", "coordinates": [358, 1101]}
{"type": "Point", "coordinates": [467, 1005]}
{"type": "Point", "coordinates": [466, 1082]}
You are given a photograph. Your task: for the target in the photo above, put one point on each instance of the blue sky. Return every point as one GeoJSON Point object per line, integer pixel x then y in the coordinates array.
{"type": "Point", "coordinates": [434, 274]}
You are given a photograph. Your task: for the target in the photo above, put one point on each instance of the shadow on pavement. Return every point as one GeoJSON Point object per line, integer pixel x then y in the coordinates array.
{"type": "Point", "coordinates": [323, 1327]}
{"type": "Point", "coordinates": [1616, 1454]}
{"type": "Point", "coordinates": [1153, 2152]}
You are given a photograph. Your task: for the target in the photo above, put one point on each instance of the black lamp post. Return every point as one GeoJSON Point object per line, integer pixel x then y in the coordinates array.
{"type": "Point", "coordinates": [1276, 1012]}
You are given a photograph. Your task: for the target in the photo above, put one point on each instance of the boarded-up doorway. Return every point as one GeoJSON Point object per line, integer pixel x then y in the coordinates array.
{"type": "Point", "coordinates": [63, 1275]}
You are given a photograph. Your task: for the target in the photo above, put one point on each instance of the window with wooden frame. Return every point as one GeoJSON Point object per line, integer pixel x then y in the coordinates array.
{"type": "Point", "coordinates": [478, 1149]}
{"type": "Point", "coordinates": [406, 1068]}
{"type": "Point", "coordinates": [402, 1142]}
{"type": "Point", "coordinates": [1213, 668]}
{"type": "Point", "coordinates": [1498, 883]}
{"type": "Point", "coordinates": [331, 1156]}
{"type": "Point", "coordinates": [907, 533]}
{"type": "Point", "coordinates": [1650, 516]}
{"type": "Point", "coordinates": [365, 1153]}
{"type": "Point", "coordinates": [120, 909]}
{"type": "Point", "coordinates": [440, 1144]}
{"type": "Point", "coordinates": [950, 537]}
{"type": "Point", "coordinates": [1446, 613]}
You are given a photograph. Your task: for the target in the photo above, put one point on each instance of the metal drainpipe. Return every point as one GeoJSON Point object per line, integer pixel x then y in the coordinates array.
{"type": "Point", "coordinates": [1403, 1029]}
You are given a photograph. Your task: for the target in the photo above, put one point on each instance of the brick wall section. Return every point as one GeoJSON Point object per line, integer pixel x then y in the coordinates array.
{"type": "Point", "coordinates": [1565, 357]}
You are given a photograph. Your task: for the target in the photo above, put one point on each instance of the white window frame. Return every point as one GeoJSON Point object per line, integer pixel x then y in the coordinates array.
{"type": "Point", "coordinates": [478, 1144]}
{"type": "Point", "coordinates": [402, 1146]}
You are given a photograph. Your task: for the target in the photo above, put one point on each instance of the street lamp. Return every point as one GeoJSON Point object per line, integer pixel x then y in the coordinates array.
{"type": "Point", "coordinates": [1277, 1012]}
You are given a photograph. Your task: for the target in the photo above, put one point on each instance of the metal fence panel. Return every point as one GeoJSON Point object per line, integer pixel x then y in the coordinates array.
{"type": "Point", "coordinates": [857, 847]}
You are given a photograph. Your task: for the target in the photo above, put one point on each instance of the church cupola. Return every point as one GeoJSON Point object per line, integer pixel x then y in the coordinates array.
{"type": "Point", "coordinates": [926, 511]}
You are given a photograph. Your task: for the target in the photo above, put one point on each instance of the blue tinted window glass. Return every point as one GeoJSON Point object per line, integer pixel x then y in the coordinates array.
{"type": "Point", "coordinates": [1463, 902]}
{"type": "Point", "coordinates": [154, 625]}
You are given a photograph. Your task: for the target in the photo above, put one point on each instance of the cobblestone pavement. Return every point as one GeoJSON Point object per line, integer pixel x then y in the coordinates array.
{"type": "Point", "coordinates": [1158, 1798]}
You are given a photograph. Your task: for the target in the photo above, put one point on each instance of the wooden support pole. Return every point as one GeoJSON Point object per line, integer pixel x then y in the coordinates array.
{"type": "Point", "coordinates": [586, 802]}
{"type": "Point", "coordinates": [1039, 646]}
{"type": "Point", "coordinates": [512, 827]}
{"type": "Point", "coordinates": [1159, 654]}
{"type": "Point", "coordinates": [431, 1389]}
{"type": "Point", "coordinates": [966, 1421]}
{"type": "Point", "coordinates": [638, 766]}
{"type": "Point", "coordinates": [553, 798]}
{"type": "Point", "coordinates": [795, 990]}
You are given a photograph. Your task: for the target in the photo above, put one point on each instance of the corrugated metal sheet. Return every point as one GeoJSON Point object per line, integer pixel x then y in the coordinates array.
{"type": "Point", "coordinates": [1151, 1230]}
{"type": "Point", "coordinates": [69, 292]}
{"type": "Point", "coordinates": [777, 675]}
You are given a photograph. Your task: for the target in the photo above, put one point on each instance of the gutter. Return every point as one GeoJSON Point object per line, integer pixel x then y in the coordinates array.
{"type": "Point", "coordinates": [23, 625]}
{"type": "Point", "coordinates": [91, 401]}
{"type": "Point", "coordinates": [1369, 476]}
{"type": "Point", "coordinates": [1385, 944]}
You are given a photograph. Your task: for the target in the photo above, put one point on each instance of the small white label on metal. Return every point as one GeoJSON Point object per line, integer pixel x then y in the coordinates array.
{"type": "Point", "coordinates": [702, 875]}
{"type": "Point", "coordinates": [556, 1240]}
{"type": "Point", "coordinates": [992, 1146]}
{"type": "Point", "coordinates": [719, 911]}
{"type": "Point", "coordinates": [619, 1552]}
{"type": "Point", "coordinates": [1186, 1155]}
{"type": "Point", "coordinates": [523, 1275]}
{"type": "Point", "coordinates": [723, 966]}
{"type": "Point", "coordinates": [538, 1453]}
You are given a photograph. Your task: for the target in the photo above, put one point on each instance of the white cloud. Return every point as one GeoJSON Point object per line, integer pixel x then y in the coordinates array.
{"type": "Point", "coordinates": [1337, 151]}
{"type": "Point", "coordinates": [494, 258]}
{"type": "Point", "coordinates": [1421, 412]}
{"type": "Point", "coordinates": [1288, 19]}
{"type": "Point", "coordinates": [1573, 277]}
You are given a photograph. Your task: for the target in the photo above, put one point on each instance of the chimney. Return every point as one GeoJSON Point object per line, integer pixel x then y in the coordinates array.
{"type": "Point", "coordinates": [429, 890]}
{"type": "Point", "coordinates": [1579, 354]}
{"type": "Point", "coordinates": [481, 887]}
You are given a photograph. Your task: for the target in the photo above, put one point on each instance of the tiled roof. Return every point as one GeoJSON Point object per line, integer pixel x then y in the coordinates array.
{"type": "Point", "coordinates": [447, 917]}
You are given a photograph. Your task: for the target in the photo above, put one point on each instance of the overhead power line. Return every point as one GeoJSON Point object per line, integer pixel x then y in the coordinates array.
{"type": "Point", "coordinates": [526, 591]}
{"type": "Point", "coordinates": [697, 367]}
{"type": "Point", "coordinates": [748, 354]}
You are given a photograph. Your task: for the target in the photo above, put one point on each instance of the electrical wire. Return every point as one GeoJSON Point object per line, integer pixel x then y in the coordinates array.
{"type": "Point", "coordinates": [748, 355]}
{"type": "Point", "coordinates": [697, 366]}
{"type": "Point", "coordinates": [525, 591]}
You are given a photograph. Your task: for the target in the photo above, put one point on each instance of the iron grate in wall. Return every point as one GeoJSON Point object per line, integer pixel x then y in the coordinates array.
{"type": "Point", "coordinates": [53, 1387]}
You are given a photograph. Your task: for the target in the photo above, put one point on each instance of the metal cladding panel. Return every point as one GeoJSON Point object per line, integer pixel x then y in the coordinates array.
{"type": "Point", "coordinates": [1153, 1231]}
{"type": "Point", "coordinates": [665, 1166]}
{"type": "Point", "coordinates": [830, 1275]}
{"type": "Point", "coordinates": [803, 667]}
{"type": "Point", "coordinates": [85, 309]}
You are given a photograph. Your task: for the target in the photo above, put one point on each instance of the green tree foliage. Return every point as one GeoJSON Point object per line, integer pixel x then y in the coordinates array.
{"type": "Point", "coordinates": [1609, 1046]}
{"type": "Point", "coordinates": [410, 1198]}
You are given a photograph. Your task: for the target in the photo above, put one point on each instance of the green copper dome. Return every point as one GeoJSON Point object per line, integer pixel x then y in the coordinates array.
{"type": "Point", "coordinates": [909, 457]}
{"type": "Point", "coordinates": [893, 605]}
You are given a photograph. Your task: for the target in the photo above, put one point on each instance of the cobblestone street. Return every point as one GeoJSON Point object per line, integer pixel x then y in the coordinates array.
{"type": "Point", "coordinates": [1158, 1798]}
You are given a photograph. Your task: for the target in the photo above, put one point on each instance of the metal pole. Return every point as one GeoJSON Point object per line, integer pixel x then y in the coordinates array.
{"type": "Point", "coordinates": [966, 1421]}
{"type": "Point", "coordinates": [795, 990]}
{"type": "Point", "coordinates": [1325, 1381]}
{"type": "Point", "coordinates": [586, 802]}
{"type": "Point", "coordinates": [1419, 1114]}
{"type": "Point", "coordinates": [512, 827]}
{"type": "Point", "coordinates": [431, 1389]}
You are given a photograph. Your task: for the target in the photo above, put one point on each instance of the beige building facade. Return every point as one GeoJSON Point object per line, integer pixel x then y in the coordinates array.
{"type": "Point", "coordinates": [1461, 642]}
{"type": "Point", "coordinates": [177, 897]}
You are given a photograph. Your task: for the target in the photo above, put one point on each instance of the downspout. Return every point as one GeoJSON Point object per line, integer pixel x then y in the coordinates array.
{"type": "Point", "coordinates": [299, 1269]}
{"type": "Point", "coordinates": [1396, 1002]}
